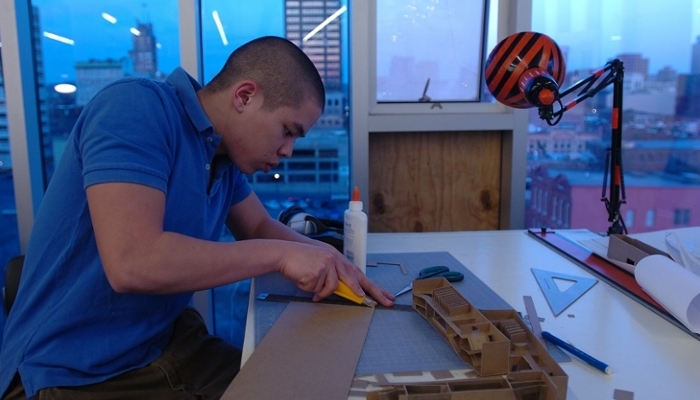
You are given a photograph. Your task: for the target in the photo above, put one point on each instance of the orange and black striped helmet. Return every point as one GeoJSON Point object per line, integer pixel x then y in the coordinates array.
{"type": "Point", "coordinates": [518, 58]}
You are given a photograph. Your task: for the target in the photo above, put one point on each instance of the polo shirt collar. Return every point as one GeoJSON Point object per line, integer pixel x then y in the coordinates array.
{"type": "Point", "coordinates": [186, 88]}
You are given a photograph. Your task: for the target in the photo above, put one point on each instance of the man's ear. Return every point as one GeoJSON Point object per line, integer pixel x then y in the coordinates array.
{"type": "Point", "coordinates": [243, 93]}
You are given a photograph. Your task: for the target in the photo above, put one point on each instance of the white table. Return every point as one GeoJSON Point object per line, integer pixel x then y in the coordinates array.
{"type": "Point", "coordinates": [649, 356]}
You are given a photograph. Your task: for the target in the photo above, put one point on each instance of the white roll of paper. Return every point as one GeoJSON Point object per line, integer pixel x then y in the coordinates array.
{"type": "Point", "coordinates": [673, 286]}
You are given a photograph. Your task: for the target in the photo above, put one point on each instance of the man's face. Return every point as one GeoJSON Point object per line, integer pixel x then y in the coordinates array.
{"type": "Point", "coordinates": [258, 139]}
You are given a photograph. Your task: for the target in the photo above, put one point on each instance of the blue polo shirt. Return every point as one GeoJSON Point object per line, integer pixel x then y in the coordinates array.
{"type": "Point", "coordinates": [68, 327]}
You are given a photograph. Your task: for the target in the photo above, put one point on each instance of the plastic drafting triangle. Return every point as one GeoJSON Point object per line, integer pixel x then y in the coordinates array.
{"type": "Point", "coordinates": [559, 300]}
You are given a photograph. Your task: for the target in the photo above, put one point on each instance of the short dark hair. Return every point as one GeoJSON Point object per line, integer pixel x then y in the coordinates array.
{"type": "Point", "coordinates": [285, 74]}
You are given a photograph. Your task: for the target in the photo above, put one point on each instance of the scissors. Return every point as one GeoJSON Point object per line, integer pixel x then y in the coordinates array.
{"type": "Point", "coordinates": [436, 271]}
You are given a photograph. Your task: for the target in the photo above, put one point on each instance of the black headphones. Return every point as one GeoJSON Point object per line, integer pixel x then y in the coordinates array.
{"type": "Point", "coordinates": [325, 230]}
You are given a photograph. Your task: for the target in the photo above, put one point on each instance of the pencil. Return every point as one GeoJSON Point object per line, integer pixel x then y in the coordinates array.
{"type": "Point", "coordinates": [590, 360]}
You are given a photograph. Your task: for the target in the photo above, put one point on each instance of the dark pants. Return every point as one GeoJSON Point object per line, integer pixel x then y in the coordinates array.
{"type": "Point", "coordinates": [195, 365]}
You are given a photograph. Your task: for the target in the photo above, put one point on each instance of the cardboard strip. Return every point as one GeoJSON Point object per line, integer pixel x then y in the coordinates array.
{"type": "Point", "coordinates": [381, 379]}
{"type": "Point", "coordinates": [442, 375]}
{"type": "Point", "coordinates": [623, 395]}
{"type": "Point", "coordinates": [471, 374]}
{"type": "Point", "coordinates": [408, 373]}
{"type": "Point", "coordinates": [534, 319]}
{"type": "Point", "coordinates": [311, 352]}
{"type": "Point", "coordinates": [359, 384]}
{"type": "Point", "coordinates": [358, 393]}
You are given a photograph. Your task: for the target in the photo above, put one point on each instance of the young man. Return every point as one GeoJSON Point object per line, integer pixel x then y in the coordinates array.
{"type": "Point", "coordinates": [129, 225]}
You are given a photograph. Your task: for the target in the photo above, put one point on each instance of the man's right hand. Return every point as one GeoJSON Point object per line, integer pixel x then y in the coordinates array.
{"type": "Point", "coordinates": [317, 269]}
{"type": "Point", "coordinates": [313, 269]}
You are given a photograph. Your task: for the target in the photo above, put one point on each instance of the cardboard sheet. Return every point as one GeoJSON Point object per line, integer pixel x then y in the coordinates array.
{"type": "Point", "coordinates": [311, 352]}
{"type": "Point", "coordinates": [414, 347]}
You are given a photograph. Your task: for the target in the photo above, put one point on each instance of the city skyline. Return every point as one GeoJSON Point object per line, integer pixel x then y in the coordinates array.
{"type": "Point", "coordinates": [215, 43]}
{"type": "Point", "coordinates": [596, 31]}
{"type": "Point", "coordinates": [669, 43]}
{"type": "Point", "coordinates": [96, 38]}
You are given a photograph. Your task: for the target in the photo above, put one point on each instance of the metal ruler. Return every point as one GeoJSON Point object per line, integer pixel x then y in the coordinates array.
{"type": "Point", "coordinates": [328, 300]}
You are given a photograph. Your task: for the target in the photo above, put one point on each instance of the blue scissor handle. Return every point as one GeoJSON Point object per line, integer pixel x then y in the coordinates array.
{"type": "Point", "coordinates": [432, 271]}
{"type": "Point", "coordinates": [440, 271]}
{"type": "Point", "coordinates": [452, 276]}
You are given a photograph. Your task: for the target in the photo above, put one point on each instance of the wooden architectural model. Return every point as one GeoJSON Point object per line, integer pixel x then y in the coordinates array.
{"type": "Point", "coordinates": [511, 362]}
{"type": "Point", "coordinates": [473, 337]}
{"type": "Point", "coordinates": [518, 386]}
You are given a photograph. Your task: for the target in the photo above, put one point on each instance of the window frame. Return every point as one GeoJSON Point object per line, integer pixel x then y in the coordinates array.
{"type": "Point", "coordinates": [369, 116]}
{"type": "Point", "coordinates": [23, 113]}
{"type": "Point", "coordinates": [407, 108]}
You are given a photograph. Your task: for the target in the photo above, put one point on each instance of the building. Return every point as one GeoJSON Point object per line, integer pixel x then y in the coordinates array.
{"type": "Point", "coordinates": [635, 63]}
{"type": "Point", "coordinates": [667, 74]}
{"type": "Point", "coordinates": [63, 114]}
{"type": "Point", "coordinates": [320, 161]}
{"type": "Point", "coordinates": [654, 154]}
{"type": "Point", "coordinates": [335, 113]}
{"type": "Point", "coordinates": [323, 47]}
{"type": "Point", "coordinates": [655, 201]}
{"type": "Point", "coordinates": [92, 75]}
{"type": "Point", "coordinates": [317, 168]}
{"type": "Point", "coordinates": [695, 57]}
{"type": "Point", "coordinates": [649, 99]}
{"type": "Point", "coordinates": [143, 55]}
{"type": "Point", "coordinates": [688, 100]}
{"type": "Point", "coordinates": [47, 149]}
{"type": "Point", "coordinates": [5, 162]}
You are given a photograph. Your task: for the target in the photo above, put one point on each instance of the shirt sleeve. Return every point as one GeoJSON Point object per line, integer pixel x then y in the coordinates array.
{"type": "Point", "coordinates": [242, 188]}
{"type": "Point", "coordinates": [124, 136]}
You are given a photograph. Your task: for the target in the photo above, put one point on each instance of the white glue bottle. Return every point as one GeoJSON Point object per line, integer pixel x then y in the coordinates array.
{"type": "Point", "coordinates": [355, 232]}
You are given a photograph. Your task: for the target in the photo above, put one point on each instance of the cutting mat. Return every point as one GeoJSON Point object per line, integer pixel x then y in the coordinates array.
{"type": "Point", "coordinates": [397, 340]}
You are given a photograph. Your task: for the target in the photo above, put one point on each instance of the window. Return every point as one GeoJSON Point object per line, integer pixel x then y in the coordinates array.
{"type": "Point", "coordinates": [629, 218]}
{"type": "Point", "coordinates": [78, 48]}
{"type": "Point", "coordinates": [301, 165]}
{"type": "Point", "coordinates": [651, 218]}
{"type": "Point", "coordinates": [422, 54]}
{"type": "Point", "coordinates": [661, 110]}
{"type": "Point", "coordinates": [328, 139]}
{"type": "Point", "coordinates": [325, 165]}
{"type": "Point", "coordinates": [227, 25]}
{"type": "Point", "coordinates": [9, 235]}
{"type": "Point", "coordinates": [681, 217]}
{"type": "Point", "coordinates": [81, 48]}
{"type": "Point", "coordinates": [327, 153]}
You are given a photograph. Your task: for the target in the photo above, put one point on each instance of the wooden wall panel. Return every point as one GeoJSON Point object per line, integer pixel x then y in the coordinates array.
{"type": "Point", "coordinates": [434, 181]}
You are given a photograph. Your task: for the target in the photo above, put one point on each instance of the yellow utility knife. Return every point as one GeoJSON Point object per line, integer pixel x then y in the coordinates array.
{"type": "Point", "coordinates": [344, 291]}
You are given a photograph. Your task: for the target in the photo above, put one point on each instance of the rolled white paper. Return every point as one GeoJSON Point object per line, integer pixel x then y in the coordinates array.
{"type": "Point", "coordinates": [672, 286]}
